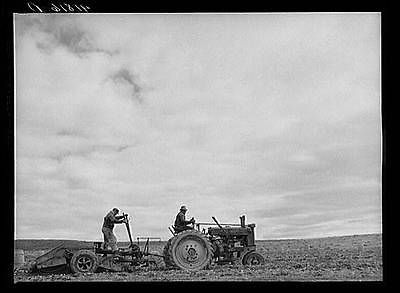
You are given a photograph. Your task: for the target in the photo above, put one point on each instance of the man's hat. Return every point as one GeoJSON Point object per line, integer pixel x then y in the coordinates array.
{"type": "Point", "coordinates": [183, 208]}
{"type": "Point", "coordinates": [115, 209]}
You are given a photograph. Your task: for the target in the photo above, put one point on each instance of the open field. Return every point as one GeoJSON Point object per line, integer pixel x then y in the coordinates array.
{"type": "Point", "coordinates": [344, 258]}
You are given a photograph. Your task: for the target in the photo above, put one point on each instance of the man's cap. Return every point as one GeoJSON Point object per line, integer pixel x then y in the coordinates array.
{"type": "Point", "coordinates": [183, 208]}
{"type": "Point", "coordinates": [115, 209]}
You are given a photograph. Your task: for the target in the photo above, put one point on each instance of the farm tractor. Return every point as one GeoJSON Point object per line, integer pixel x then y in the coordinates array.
{"type": "Point", "coordinates": [189, 250]}
{"type": "Point", "coordinates": [97, 259]}
{"type": "Point", "coordinates": [198, 248]}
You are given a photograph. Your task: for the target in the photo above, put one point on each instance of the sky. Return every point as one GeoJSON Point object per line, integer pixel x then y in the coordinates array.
{"type": "Point", "coordinates": [272, 116]}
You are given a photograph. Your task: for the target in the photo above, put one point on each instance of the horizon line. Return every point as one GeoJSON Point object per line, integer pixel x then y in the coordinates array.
{"type": "Point", "coordinates": [291, 238]}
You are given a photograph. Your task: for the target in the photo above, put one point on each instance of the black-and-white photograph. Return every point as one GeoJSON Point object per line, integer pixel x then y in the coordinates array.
{"type": "Point", "coordinates": [165, 147]}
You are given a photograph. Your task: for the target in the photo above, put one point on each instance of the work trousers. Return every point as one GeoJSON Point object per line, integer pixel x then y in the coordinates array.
{"type": "Point", "coordinates": [183, 228]}
{"type": "Point", "coordinates": [109, 239]}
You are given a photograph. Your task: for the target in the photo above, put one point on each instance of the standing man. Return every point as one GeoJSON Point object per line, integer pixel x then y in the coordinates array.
{"type": "Point", "coordinates": [108, 225]}
{"type": "Point", "coordinates": [180, 223]}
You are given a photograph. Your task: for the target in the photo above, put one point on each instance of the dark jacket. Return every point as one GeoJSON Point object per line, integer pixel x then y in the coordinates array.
{"type": "Point", "coordinates": [180, 220]}
{"type": "Point", "coordinates": [110, 219]}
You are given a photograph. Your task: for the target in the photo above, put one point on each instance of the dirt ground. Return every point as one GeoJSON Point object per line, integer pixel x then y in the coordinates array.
{"type": "Point", "coordinates": [346, 258]}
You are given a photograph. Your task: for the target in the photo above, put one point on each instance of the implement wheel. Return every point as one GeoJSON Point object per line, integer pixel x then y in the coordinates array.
{"type": "Point", "coordinates": [189, 250]}
{"type": "Point", "coordinates": [84, 261]}
{"type": "Point", "coordinates": [253, 259]}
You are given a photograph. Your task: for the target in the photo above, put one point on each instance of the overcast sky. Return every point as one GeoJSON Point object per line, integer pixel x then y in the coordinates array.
{"type": "Point", "coordinates": [275, 116]}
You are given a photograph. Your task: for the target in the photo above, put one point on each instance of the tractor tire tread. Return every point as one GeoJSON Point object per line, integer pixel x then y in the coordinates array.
{"type": "Point", "coordinates": [168, 253]}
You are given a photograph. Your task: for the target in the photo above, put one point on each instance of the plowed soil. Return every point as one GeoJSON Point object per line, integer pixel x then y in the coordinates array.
{"type": "Point", "coordinates": [346, 258]}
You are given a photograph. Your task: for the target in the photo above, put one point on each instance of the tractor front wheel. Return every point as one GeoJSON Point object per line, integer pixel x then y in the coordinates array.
{"type": "Point", "coordinates": [253, 259]}
{"type": "Point", "coordinates": [84, 261]}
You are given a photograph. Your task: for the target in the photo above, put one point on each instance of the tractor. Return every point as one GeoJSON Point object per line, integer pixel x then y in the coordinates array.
{"type": "Point", "coordinates": [190, 250]}
{"type": "Point", "coordinates": [126, 259]}
{"type": "Point", "coordinates": [197, 249]}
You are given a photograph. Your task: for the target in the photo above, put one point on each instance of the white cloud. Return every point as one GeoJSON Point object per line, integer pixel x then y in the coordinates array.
{"type": "Point", "coordinates": [229, 114]}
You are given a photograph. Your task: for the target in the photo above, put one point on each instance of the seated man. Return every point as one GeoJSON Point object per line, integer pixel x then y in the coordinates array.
{"type": "Point", "coordinates": [108, 225]}
{"type": "Point", "coordinates": [180, 223]}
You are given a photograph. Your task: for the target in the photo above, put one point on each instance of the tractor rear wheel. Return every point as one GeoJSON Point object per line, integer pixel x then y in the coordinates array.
{"type": "Point", "coordinates": [189, 250]}
{"type": "Point", "coordinates": [84, 261]}
{"type": "Point", "coordinates": [253, 258]}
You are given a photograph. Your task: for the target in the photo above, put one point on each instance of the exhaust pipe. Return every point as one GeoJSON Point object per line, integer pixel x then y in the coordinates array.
{"type": "Point", "coordinates": [243, 221]}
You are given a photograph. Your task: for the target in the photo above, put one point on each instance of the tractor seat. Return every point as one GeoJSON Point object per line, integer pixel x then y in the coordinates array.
{"type": "Point", "coordinates": [178, 230]}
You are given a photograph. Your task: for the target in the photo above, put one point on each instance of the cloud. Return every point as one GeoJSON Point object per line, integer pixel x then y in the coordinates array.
{"type": "Point", "coordinates": [63, 31]}
{"type": "Point", "coordinates": [125, 76]}
{"type": "Point", "coordinates": [272, 116]}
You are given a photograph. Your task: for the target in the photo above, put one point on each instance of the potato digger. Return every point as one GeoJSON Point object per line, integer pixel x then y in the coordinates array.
{"type": "Point", "coordinates": [189, 250]}
{"type": "Point", "coordinates": [97, 259]}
